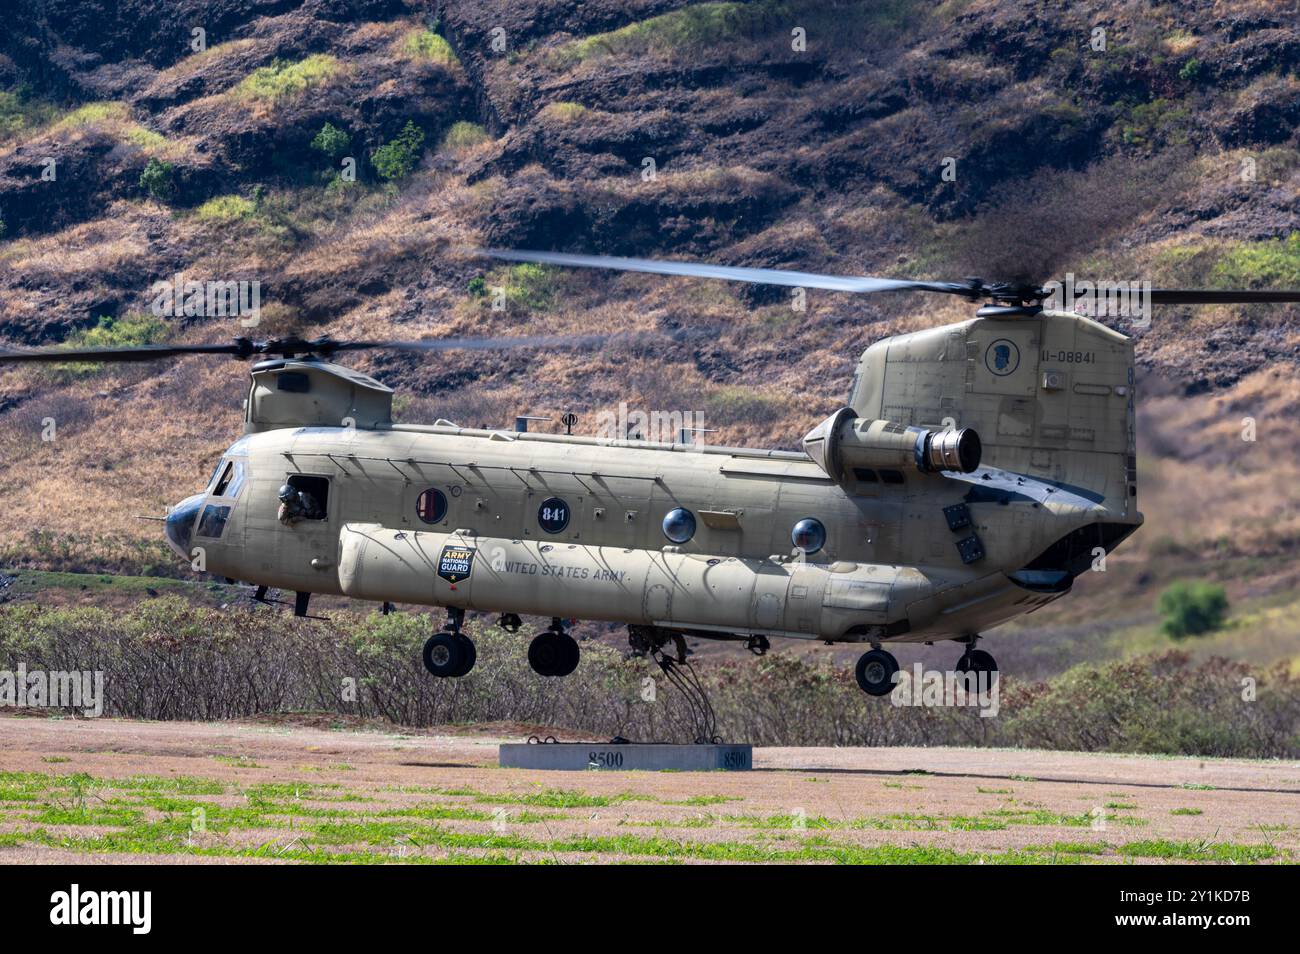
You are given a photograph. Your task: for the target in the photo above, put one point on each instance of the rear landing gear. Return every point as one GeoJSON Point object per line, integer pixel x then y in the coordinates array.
{"type": "Point", "coordinates": [875, 672]}
{"type": "Point", "coordinates": [553, 652]}
{"type": "Point", "coordinates": [450, 653]}
{"type": "Point", "coordinates": [978, 661]}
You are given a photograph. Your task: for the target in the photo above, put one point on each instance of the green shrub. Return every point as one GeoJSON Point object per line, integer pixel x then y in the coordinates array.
{"type": "Point", "coordinates": [396, 159]}
{"type": "Point", "coordinates": [1191, 608]}
{"type": "Point", "coordinates": [158, 179]}
{"type": "Point", "coordinates": [332, 141]}
{"type": "Point", "coordinates": [1191, 70]}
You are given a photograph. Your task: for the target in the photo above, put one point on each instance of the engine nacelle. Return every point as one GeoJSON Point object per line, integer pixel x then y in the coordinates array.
{"type": "Point", "coordinates": [844, 441]}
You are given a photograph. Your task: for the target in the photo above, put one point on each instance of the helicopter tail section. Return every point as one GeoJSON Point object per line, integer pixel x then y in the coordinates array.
{"type": "Point", "coordinates": [1051, 396]}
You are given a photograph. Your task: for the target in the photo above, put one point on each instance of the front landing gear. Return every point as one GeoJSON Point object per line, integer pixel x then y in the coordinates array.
{"type": "Point", "coordinates": [875, 672]}
{"type": "Point", "coordinates": [553, 652]}
{"type": "Point", "coordinates": [451, 652]}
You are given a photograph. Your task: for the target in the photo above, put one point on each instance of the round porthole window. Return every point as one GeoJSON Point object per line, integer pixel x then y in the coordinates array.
{"type": "Point", "coordinates": [553, 515]}
{"type": "Point", "coordinates": [431, 506]}
{"type": "Point", "coordinates": [808, 535]}
{"type": "Point", "coordinates": [679, 525]}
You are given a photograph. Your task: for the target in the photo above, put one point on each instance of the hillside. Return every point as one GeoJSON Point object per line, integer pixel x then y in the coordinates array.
{"type": "Point", "coordinates": [1171, 155]}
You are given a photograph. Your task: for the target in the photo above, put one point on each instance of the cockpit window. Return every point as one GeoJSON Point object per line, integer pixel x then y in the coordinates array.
{"type": "Point", "coordinates": [231, 480]}
{"type": "Point", "coordinates": [215, 470]}
{"type": "Point", "coordinates": [213, 522]}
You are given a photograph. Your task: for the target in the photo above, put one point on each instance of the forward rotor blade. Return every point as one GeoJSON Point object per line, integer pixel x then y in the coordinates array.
{"type": "Point", "coordinates": [475, 344]}
{"type": "Point", "coordinates": [1210, 296]}
{"type": "Point", "coordinates": [136, 353]}
{"type": "Point", "coordinates": [755, 276]}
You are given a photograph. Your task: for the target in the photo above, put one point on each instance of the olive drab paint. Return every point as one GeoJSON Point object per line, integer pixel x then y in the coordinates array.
{"type": "Point", "coordinates": [973, 472]}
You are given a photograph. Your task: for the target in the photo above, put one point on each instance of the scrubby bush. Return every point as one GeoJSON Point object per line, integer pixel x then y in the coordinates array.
{"type": "Point", "coordinates": [332, 141]}
{"type": "Point", "coordinates": [168, 659]}
{"type": "Point", "coordinates": [157, 179]}
{"type": "Point", "coordinates": [1192, 608]}
{"type": "Point", "coordinates": [397, 158]}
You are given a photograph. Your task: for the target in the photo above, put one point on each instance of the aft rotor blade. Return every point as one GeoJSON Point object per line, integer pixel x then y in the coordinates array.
{"type": "Point", "coordinates": [1211, 296]}
{"type": "Point", "coordinates": [755, 276]}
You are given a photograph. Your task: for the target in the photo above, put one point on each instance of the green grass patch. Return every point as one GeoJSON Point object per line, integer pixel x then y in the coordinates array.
{"type": "Point", "coordinates": [1186, 811]}
{"type": "Point", "coordinates": [1198, 851]}
{"type": "Point", "coordinates": [21, 113]}
{"type": "Point", "coordinates": [1273, 263]}
{"type": "Point", "coordinates": [463, 135]}
{"type": "Point", "coordinates": [223, 209]}
{"type": "Point", "coordinates": [565, 112]}
{"type": "Point", "coordinates": [283, 79]}
{"type": "Point", "coordinates": [424, 44]}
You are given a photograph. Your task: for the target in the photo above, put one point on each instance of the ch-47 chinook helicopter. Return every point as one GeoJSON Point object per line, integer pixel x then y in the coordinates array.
{"type": "Point", "coordinates": [974, 472]}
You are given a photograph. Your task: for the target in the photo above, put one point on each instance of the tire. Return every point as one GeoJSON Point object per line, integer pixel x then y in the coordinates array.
{"type": "Point", "coordinates": [569, 655]}
{"type": "Point", "coordinates": [553, 654]}
{"type": "Point", "coordinates": [443, 655]}
{"type": "Point", "coordinates": [875, 672]}
{"type": "Point", "coordinates": [977, 660]}
{"type": "Point", "coordinates": [544, 654]}
{"type": "Point", "coordinates": [469, 655]}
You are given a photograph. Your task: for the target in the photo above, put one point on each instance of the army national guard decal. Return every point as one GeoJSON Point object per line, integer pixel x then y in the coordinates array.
{"type": "Point", "coordinates": [455, 564]}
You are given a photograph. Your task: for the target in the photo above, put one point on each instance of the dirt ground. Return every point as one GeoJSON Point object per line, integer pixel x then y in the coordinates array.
{"type": "Point", "coordinates": [307, 789]}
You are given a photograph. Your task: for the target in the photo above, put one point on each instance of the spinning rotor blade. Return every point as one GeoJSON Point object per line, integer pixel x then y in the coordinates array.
{"type": "Point", "coordinates": [136, 353]}
{"type": "Point", "coordinates": [243, 348]}
{"type": "Point", "coordinates": [477, 344]}
{"type": "Point", "coordinates": [756, 276]}
{"type": "Point", "coordinates": [971, 288]}
{"type": "Point", "coordinates": [1209, 296]}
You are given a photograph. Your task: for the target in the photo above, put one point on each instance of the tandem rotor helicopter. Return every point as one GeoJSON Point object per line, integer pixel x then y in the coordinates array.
{"type": "Point", "coordinates": [974, 472]}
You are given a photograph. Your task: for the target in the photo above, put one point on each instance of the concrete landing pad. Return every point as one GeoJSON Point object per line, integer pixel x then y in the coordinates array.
{"type": "Point", "coordinates": [626, 756]}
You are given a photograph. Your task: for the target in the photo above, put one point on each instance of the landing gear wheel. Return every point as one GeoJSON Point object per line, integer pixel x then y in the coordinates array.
{"type": "Point", "coordinates": [875, 672]}
{"type": "Point", "coordinates": [444, 655]}
{"type": "Point", "coordinates": [468, 654]}
{"type": "Point", "coordinates": [977, 661]}
{"type": "Point", "coordinates": [553, 654]}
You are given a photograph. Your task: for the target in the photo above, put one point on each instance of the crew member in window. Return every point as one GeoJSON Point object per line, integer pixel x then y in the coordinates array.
{"type": "Point", "coordinates": [297, 505]}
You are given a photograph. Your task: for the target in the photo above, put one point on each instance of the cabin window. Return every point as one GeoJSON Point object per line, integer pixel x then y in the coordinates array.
{"type": "Point", "coordinates": [317, 488]}
{"type": "Point", "coordinates": [431, 506]}
{"type": "Point", "coordinates": [808, 535]}
{"type": "Point", "coordinates": [679, 525]}
{"type": "Point", "coordinates": [892, 476]}
{"type": "Point", "coordinates": [865, 474]}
